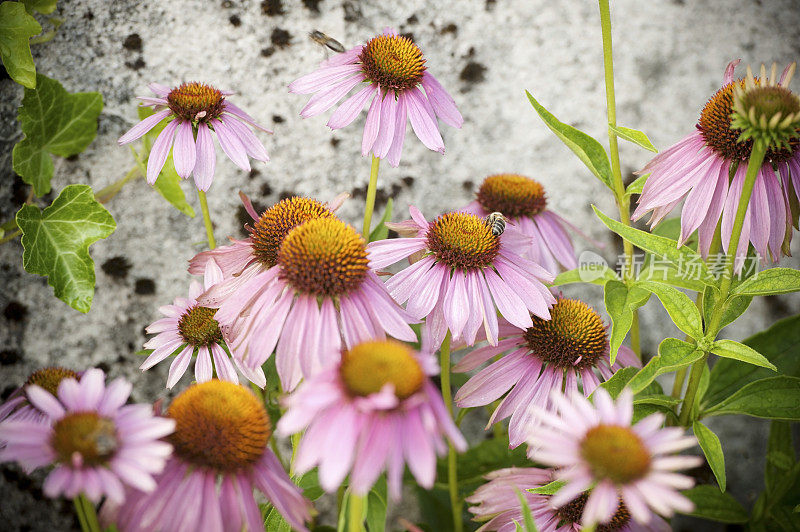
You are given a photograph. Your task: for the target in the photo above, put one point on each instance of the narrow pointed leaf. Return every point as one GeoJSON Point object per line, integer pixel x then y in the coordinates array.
{"type": "Point", "coordinates": [712, 448]}
{"type": "Point", "coordinates": [681, 309]}
{"type": "Point", "coordinates": [737, 351]}
{"type": "Point", "coordinates": [635, 136]}
{"type": "Point", "coordinates": [673, 354]}
{"type": "Point", "coordinates": [770, 398]}
{"type": "Point", "coordinates": [770, 282]}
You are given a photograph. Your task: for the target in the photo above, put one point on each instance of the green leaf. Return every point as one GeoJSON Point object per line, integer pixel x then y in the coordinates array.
{"type": "Point", "coordinates": [780, 344]}
{"type": "Point", "coordinates": [710, 503]}
{"type": "Point", "coordinates": [16, 29]}
{"type": "Point", "coordinates": [618, 381]}
{"type": "Point", "coordinates": [54, 122]}
{"type": "Point", "coordinates": [734, 307]}
{"type": "Point", "coordinates": [550, 488]}
{"type": "Point", "coordinates": [56, 242]}
{"type": "Point", "coordinates": [45, 7]}
{"type": "Point", "coordinates": [684, 258]}
{"type": "Point", "coordinates": [681, 309]}
{"type": "Point", "coordinates": [168, 183]}
{"type": "Point", "coordinates": [673, 354]}
{"type": "Point", "coordinates": [635, 136]}
{"type": "Point", "coordinates": [657, 399]}
{"type": "Point", "coordinates": [620, 303]}
{"type": "Point", "coordinates": [781, 455]}
{"type": "Point", "coordinates": [585, 147]}
{"type": "Point", "coordinates": [593, 274]}
{"type": "Point", "coordinates": [637, 186]}
{"type": "Point", "coordinates": [376, 506]}
{"type": "Point", "coordinates": [381, 231]}
{"type": "Point", "coordinates": [770, 282]}
{"type": "Point", "coordinates": [530, 526]}
{"type": "Point", "coordinates": [712, 448]}
{"type": "Point", "coordinates": [771, 398]}
{"type": "Point", "coordinates": [737, 351]}
{"type": "Point", "coordinates": [661, 271]}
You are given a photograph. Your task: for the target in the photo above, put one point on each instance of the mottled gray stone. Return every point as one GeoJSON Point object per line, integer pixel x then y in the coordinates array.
{"type": "Point", "coordinates": [669, 59]}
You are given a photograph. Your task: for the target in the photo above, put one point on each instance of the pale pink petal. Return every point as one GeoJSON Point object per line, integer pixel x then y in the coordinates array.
{"type": "Point", "coordinates": [140, 129]}
{"type": "Point", "coordinates": [160, 151]}
{"type": "Point", "coordinates": [183, 152]}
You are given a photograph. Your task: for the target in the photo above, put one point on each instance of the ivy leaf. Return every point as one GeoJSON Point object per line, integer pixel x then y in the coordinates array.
{"type": "Point", "coordinates": [673, 354]}
{"type": "Point", "coordinates": [45, 7]}
{"type": "Point", "coordinates": [168, 183]}
{"type": "Point", "coordinates": [56, 242]}
{"type": "Point", "coordinates": [681, 309]}
{"type": "Point", "coordinates": [54, 122]}
{"type": "Point", "coordinates": [710, 503]}
{"type": "Point", "coordinates": [620, 303]}
{"type": "Point", "coordinates": [770, 282]}
{"type": "Point", "coordinates": [635, 136]}
{"type": "Point", "coordinates": [771, 398]}
{"type": "Point", "coordinates": [16, 29]}
{"type": "Point", "coordinates": [585, 147]}
{"type": "Point", "coordinates": [712, 448]}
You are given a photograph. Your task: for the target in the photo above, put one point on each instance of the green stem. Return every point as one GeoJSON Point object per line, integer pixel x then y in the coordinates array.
{"type": "Point", "coordinates": [89, 520]}
{"type": "Point", "coordinates": [452, 471]}
{"type": "Point", "coordinates": [207, 219]}
{"type": "Point", "coordinates": [10, 236]}
{"type": "Point", "coordinates": [370, 202]}
{"type": "Point", "coordinates": [623, 202]}
{"type": "Point", "coordinates": [355, 513]}
{"type": "Point", "coordinates": [713, 327]}
{"type": "Point", "coordinates": [79, 512]}
{"type": "Point", "coordinates": [295, 438]}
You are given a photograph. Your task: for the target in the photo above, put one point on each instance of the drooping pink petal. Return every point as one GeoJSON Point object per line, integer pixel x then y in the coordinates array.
{"type": "Point", "coordinates": [184, 153]}
{"type": "Point", "coordinates": [327, 97]}
{"type": "Point", "coordinates": [422, 123]}
{"type": "Point", "coordinates": [399, 133]}
{"type": "Point", "coordinates": [351, 108]}
{"type": "Point", "coordinates": [160, 151]}
{"type": "Point", "coordinates": [442, 103]}
{"type": "Point", "coordinates": [139, 130]}
{"type": "Point", "coordinates": [231, 145]}
{"type": "Point", "coordinates": [372, 125]}
{"type": "Point", "coordinates": [322, 78]}
{"type": "Point", "coordinates": [251, 144]}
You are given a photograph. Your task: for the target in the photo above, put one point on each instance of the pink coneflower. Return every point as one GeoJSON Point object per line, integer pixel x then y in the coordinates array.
{"type": "Point", "coordinates": [568, 352]}
{"type": "Point", "coordinates": [221, 456]}
{"type": "Point", "coordinates": [597, 447]}
{"type": "Point", "coordinates": [464, 267]}
{"type": "Point", "coordinates": [497, 503]}
{"type": "Point", "coordinates": [374, 411]}
{"type": "Point", "coordinates": [191, 330]}
{"type": "Point", "coordinates": [390, 70]}
{"type": "Point", "coordinates": [96, 442]}
{"type": "Point", "coordinates": [523, 203]}
{"type": "Point", "coordinates": [195, 109]}
{"type": "Point", "coordinates": [698, 168]}
{"type": "Point", "coordinates": [18, 406]}
{"type": "Point", "coordinates": [303, 283]}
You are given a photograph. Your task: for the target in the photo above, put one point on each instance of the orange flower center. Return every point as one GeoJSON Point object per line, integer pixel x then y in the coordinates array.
{"type": "Point", "coordinates": [463, 241]}
{"type": "Point", "coordinates": [572, 512]}
{"type": "Point", "coordinates": [369, 366]}
{"type": "Point", "coordinates": [50, 378]}
{"type": "Point", "coordinates": [513, 195]}
{"type": "Point", "coordinates": [198, 326]}
{"type": "Point", "coordinates": [615, 453]}
{"type": "Point", "coordinates": [393, 62]}
{"type": "Point", "coordinates": [196, 102]}
{"type": "Point", "coordinates": [324, 257]}
{"type": "Point", "coordinates": [219, 425]}
{"type": "Point", "coordinates": [86, 434]}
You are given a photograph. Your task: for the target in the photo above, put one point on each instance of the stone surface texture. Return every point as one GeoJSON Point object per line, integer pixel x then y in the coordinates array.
{"type": "Point", "coordinates": [670, 56]}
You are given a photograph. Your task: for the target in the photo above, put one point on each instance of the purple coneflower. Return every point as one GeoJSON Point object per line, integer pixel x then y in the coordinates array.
{"type": "Point", "coordinates": [390, 70]}
{"type": "Point", "coordinates": [221, 456]}
{"type": "Point", "coordinates": [374, 411]}
{"type": "Point", "coordinates": [568, 352]}
{"type": "Point", "coordinates": [195, 109]}
{"type": "Point", "coordinates": [191, 330]}
{"type": "Point", "coordinates": [303, 284]}
{"type": "Point", "coordinates": [96, 442]}
{"type": "Point", "coordinates": [522, 202]}
{"type": "Point", "coordinates": [463, 268]}
{"type": "Point", "coordinates": [18, 406]}
{"type": "Point", "coordinates": [596, 447]}
{"type": "Point", "coordinates": [497, 503]}
{"type": "Point", "coordinates": [708, 168]}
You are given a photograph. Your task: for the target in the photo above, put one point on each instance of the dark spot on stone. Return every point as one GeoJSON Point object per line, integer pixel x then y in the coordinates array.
{"type": "Point", "coordinates": [450, 28]}
{"type": "Point", "coordinates": [408, 35]}
{"type": "Point", "coordinates": [136, 65]}
{"type": "Point", "coordinates": [103, 366]}
{"type": "Point", "coordinates": [266, 189]}
{"type": "Point", "coordinates": [312, 5]}
{"type": "Point", "coordinates": [408, 181]}
{"type": "Point", "coordinates": [471, 51]}
{"type": "Point", "coordinates": [19, 191]}
{"type": "Point", "coordinates": [749, 46]}
{"type": "Point", "coordinates": [145, 287]}
{"type": "Point", "coordinates": [72, 158]}
{"type": "Point", "coordinates": [88, 15]}
{"type": "Point", "coordinates": [254, 173]}
{"type": "Point", "coordinates": [227, 4]}
{"type": "Point", "coordinates": [352, 11]}
{"type": "Point", "coordinates": [121, 359]}
{"type": "Point", "coordinates": [272, 7]}
{"type": "Point", "coordinates": [412, 19]}
{"type": "Point", "coordinates": [490, 4]}
{"type": "Point", "coordinates": [468, 185]}
{"type": "Point", "coordinates": [131, 346]}
{"type": "Point", "coordinates": [381, 197]}
{"type": "Point", "coordinates": [266, 52]}
{"type": "Point", "coordinates": [280, 38]}
{"type": "Point", "coordinates": [335, 142]}
{"type": "Point", "coordinates": [679, 2]}
{"type": "Point", "coordinates": [473, 72]}
{"type": "Point", "coordinates": [4, 73]}
{"type": "Point", "coordinates": [278, 119]}
{"type": "Point", "coordinates": [286, 194]}
{"type": "Point", "coordinates": [235, 21]}
{"type": "Point", "coordinates": [116, 267]}
{"type": "Point", "coordinates": [15, 311]}
{"type": "Point", "coordinates": [396, 189]}
{"type": "Point", "coordinates": [132, 42]}
{"type": "Point", "coordinates": [9, 357]}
